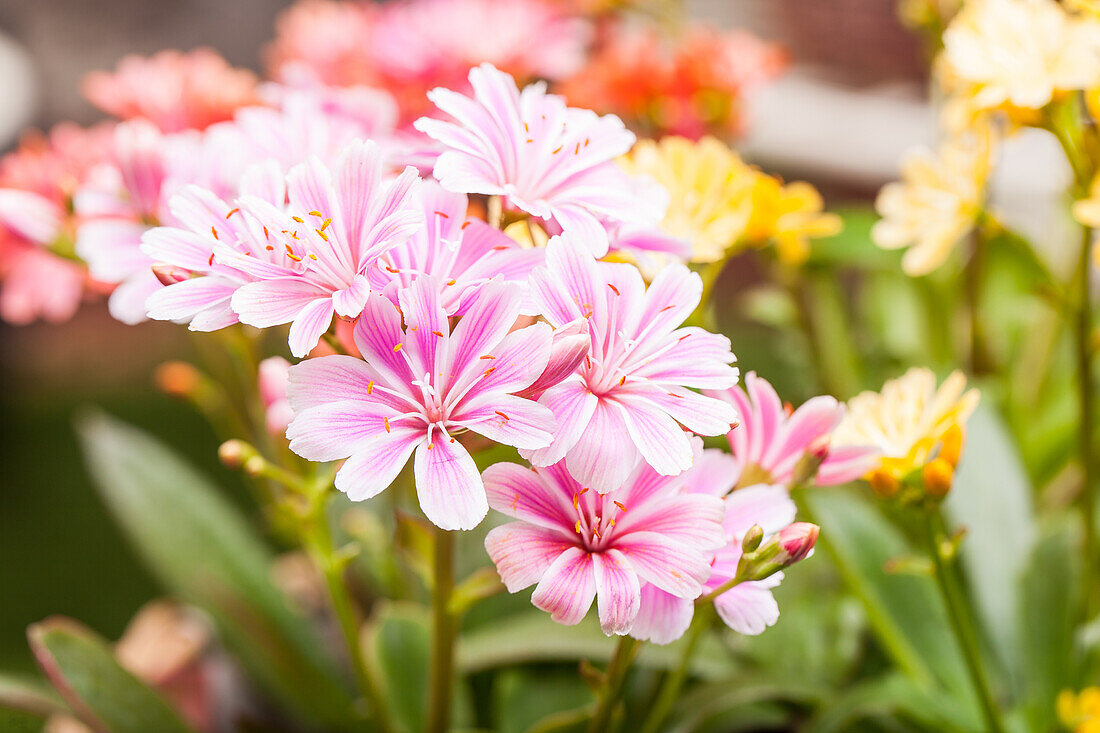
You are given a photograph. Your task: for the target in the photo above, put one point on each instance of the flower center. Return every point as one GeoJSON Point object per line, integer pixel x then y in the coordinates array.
{"type": "Point", "coordinates": [596, 515]}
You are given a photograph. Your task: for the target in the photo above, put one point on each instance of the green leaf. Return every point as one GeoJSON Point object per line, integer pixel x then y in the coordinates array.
{"type": "Point", "coordinates": [890, 696]}
{"type": "Point", "coordinates": [532, 637]}
{"type": "Point", "coordinates": [526, 699]}
{"type": "Point", "coordinates": [992, 499]}
{"type": "Point", "coordinates": [29, 695]}
{"type": "Point", "coordinates": [729, 704]}
{"type": "Point", "coordinates": [103, 694]}
{"type": "Point", "coordinates": [1049, 598]}
{"type": "Point", "coordinates": [906, 612]}
{"type": "Point", "coordinates": [203, 551]}
{"type": "Point", "coordinates": [398, 642]}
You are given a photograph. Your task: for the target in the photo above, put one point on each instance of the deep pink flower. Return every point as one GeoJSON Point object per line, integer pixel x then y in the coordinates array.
{"type": "Point", "coordinates": [173, 90]}
{"type": "Point", "coordinates": [748, 607]}
{"type": "Point", "coordinates": [38, 284]}
{"type": "Point", "coordinates": [417, 389]}
{"type": "Point", "coordinates": [461, 252]}
{"type": "Point", "coordinates": [551, 161]}
{"type": "Point", "coordinates": [578, 544]}
{"type": "Point", "coordinates": [631, 391]}
{"type": "Point", "coordinates": [313, 260]}
{"type": "Point", "coordinates": [770, 441]}
{"type": "Point", "coordinates": [115, 205]}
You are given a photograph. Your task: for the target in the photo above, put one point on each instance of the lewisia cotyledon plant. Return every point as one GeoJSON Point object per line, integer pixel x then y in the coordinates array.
{"type": "Point", "coordinates": [629, 396]}
{"type": "Point", "coordinates": [549, 160]}
{"type": "Point", "coordinates": [417, 389]}
{"type": "Point", "coordinates": [576, 545]}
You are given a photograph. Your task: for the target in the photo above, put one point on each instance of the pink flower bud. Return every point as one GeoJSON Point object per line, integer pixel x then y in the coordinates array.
{"type": "Point", "coordinates": [170, 274]}
{"type": "Point", "coordinates": [273, 380]}
{"type": "Point", "coordinates": [797, 540]}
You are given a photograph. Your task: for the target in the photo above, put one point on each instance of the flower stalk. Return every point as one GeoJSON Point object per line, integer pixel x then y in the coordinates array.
{"type": "Point", "coordinates": [674, 681]}
{"type": "Point", "coordinates": [613, 684]}
{"type": "Point", "coordinates": [444, 628]}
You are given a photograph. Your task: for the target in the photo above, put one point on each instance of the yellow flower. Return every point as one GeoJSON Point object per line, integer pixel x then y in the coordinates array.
{"type": "Point", "coordinates": [789, 215]}
{"type": "Point", "coordinates": [1087, 212]}
{"type": "Point", "coordinates": [710, 191]}
{"type": "Point", "coordinates": [908, 419]}
{"type": "Point", "coordinates": [936, 202]}
{"type": "Point", "coordinates": [1080, 713]}
{"type": "Point", "coordinates": [1087, 7]}
{"type": "Point", "coordinates": [1021, 52]}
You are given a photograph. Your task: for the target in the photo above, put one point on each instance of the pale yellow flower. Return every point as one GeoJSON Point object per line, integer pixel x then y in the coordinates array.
{"type": "Point", "coordinates": [1088, 7]}
{"type": "Point", "coordinates": [1087, 212]}
{"type": "Point", "coordinates": [790, 216]}
{"type": "Point", "coordinates": [937, 201]}
{"type": "Point", "coordinates": [908, 419]}
{"type": "Point", "coordinates": [710, 191]}
{"type": "Point", "coordinates": [1021, 52]}
{"type": "Point", "coordinates": [1081, 712]}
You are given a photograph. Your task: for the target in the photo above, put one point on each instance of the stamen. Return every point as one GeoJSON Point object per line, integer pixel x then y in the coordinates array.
{"type": "Point", "coordinates": [397, 348]}
{"type": "Point", "coordinates": [577, 149]}
{"type": "Point", "coordinates": [440, 213]}
{"type": "Point", "coordinates": [502, 414]}
{"type": "Point", "coordinates": [465, 224]}
{"type": "Point", "coordinates": [298, 219]}
{"type": "Point", "coordinates": [313, 256]}
{"type": "Point", "coordinates": [677, 396]}
{"type": "Point", "coordinates": [214, 232]}
{"type": "Point", "coordinates": [576, 501]}
{"type": "Point", "coordinates": [622, 380]}
{"type": "Point", "coordinates": [488, 371]}
{"type": "Point", "coordinates": [267, 235]}
{"type": "Point", "coordinates": [487, 356]}
{"type": "Point", "coordinates": [293, 256]}
{"type": "Point", "coordinates": [386, 422]}
{"type": "Point", "coordinates": [210, 261]}
{"type": "Point", "coordinates": [622, 507]}
{"type": "Point", "coordinates": [595, 533]}
{"type": "Point", "coordinates": [438, 333]}
{"type": "Point", "coordinates": [315, 213]}
{"type": "Point", "coordinates": [269, 248]}
{"type": "Point", "coordinates": [391, 270]}
{"type": "Point", "coordinates": [451, 282]}
{"type": "Point", "coordinates": [232, 212]}
{"type": "Point", "coordinates": [325, 223]}
{"type": "Point", "coordinates": [370, 387]}
{"type": "Point", "coordinates": [321, 234]}
{"type": "Point", "coordinates": [577, 526]}
{"type": "Point", "coordinates": [666, 308]}
{"type": "Point", "coordinates": [556, 150]}
{"type": "Point", "coordinates": [614, 288]}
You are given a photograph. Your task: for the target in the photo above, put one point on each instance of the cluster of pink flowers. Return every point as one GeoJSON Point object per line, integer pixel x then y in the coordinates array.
{"type": "Point", "coordinates": [377, 238]}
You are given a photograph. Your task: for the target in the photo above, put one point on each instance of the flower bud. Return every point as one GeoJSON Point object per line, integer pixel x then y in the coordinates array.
{"type": "Point", "coordinates": [951, 445]}
{"type": "Point", "coordinates": [883, 483]}
{"type": "Point", "coordinates": [937, 475]}
{"type": "Point", "coordinates": [170, 274]}
{"type": "Point", "coordinates": [797, 540]}
{"type": "Point", "coordinates": [177, 379]}
{"type": "Point", "coordinates": [752, 539]}
{"type": "Point", "coordinates": [234, 453]}
{"type": "Point", "coordinates": [805, 470]}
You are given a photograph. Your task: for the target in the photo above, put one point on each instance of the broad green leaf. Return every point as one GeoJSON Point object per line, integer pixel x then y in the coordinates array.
{"type": "Point", "coordinates": [527, 699]}
{"type": "Point", "coordinates": [733, 703]}
{"type": "Point", "coordinates": [891, 696]}
{"type": "Point", "coordinates": [532, 637]}
{"type": "Point", "coordinates": [991, 498]}
{"type": "Point", "coordinates": [103, 694]}
{"type": "Point", "coordinates": [906, 612]}
{"type": "Point", "coordinates": [203, 551]}
{"type": "Point", "coordinates": [29, 695]}
{"type": "Point", "coordinates": [17, 721]}
{"type": "Point", "coordinates": [398, 641]}
{"type": "Point", "coordinates": [1049, 599]}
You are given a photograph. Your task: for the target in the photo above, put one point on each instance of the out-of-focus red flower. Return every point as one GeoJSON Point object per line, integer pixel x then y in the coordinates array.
{"type": "Point", "coordinates": [330, 39]}
{"type": "Point", "coordinates": [173, 90]}
{"type": "Point", "coordinates": [690, 85]}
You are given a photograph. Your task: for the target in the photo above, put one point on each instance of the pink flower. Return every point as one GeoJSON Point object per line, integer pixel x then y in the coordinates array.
{"type": "Point", "coordinates": [551, 161]}
{"type": "Point", "coordinates": [770, 441]}
{"type": "Point", "coordinates": [314, 258]}
{"type": "Point", "coordinates": [627, 397]}
{"type": "Point", "coordinates": [577, 544]}
{"type": "Point", "coordinates": [38, 284]}
{"type": "Point", "coordinates": [175, 91]}
{"type": "Point", "coordinates": [115, 206]}
{"type": "Point", "coordinates": [273, 380]}
{"type": "Point", "coordinates": [461, 252]}
{"type": "Point", "coordinates": [331, 39]}
{"type": "Point", "coordinates": [748, 607]}
{"type": "Point", "coordinates": [417, 389]}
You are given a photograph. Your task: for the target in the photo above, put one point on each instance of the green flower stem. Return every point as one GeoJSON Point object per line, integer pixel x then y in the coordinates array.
{"type": "Point", "coordinates": [1087, 392]}
{"type": "Point", "coordinates": [317, 541]}
{"type": "Point", "coordinates": [961, 620]}
{"type": "Point", "coordinates": [674, 681]}
{"type": "Point", "coordinates": [980, 360]}
{"type": "Point", "coordinates": [613, 685]}
{"type": "Point", "coordinates": [444, 628]}
{"type": "Point", "coordinates": [893, 642]}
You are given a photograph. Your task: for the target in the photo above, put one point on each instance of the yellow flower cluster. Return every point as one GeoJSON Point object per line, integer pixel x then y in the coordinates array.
{"type": "Point", "coordinates": [909, 420]}
{"type": "Point", "coordinates": [719, 202]}
{"type": "Point", "coordinates": [937, 201]}
{"type": "Point", "coordinates": [1081, 712]}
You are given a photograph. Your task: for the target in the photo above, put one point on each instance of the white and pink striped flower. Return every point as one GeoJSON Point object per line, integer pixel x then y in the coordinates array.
{"type": "Point", "coordinates": [630, 395]}
{"type": "Point", "coordinates": [416, 389]}
{"type": "Point", "coordinates": [771, 439]}
{"type": "Point", "coordinates": [551, 161]}
{"type": "Point", "coordinates": [576, 545]}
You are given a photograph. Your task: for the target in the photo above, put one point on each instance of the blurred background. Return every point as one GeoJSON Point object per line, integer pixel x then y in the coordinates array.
{"type": "Point", "coordinates": [853, 100]}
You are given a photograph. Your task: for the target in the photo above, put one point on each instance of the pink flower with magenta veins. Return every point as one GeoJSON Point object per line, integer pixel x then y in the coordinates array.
{"type": "Point", "coordinates": [553, 162]}
{"type": "Point", "coordinates": [773, 443]}
{"type": "Point", "coordinates": [576, 545]}
{"type": "Point", "coordinates": [415, 390]}
{"type": "Point", "coordinates": [630, 395]}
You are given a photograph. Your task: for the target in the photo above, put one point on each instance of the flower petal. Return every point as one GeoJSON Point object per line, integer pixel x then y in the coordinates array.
{"type": "Point", "coordinates": [662, 617]}
{"type": "Point", "coordinates": [335, 429]}
{"type": "Point", "coordinates": [572, 405]}
{"type": "Point", "coordinates": [508, 420]}
{"type": "Point", "coordinates": [748, 608]}
{"type": "Point", "coordinates": [529, 495]}
{"type": "Point", "coordinates": [618, 593]}
{"type": "Point", "coordinates": [671, 566]}
{"type": "Point", "coordinates": [605, 454]}
{"type": "Point", "coordinates": [448, 484]}
{"type": "Point", "coordinates": [567, 588]}
{"type": "Point", "coordinates": [376, 462]}
{"type": "Point", "coordinates": [523, 553]}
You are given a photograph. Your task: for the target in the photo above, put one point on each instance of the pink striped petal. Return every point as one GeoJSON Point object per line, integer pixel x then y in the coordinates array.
{"type": "Point", "coordinates": [30, 215]}
{"type": "Point", "coordinates": [846, 463]}
{"type": "Point", "coordinates": [274, 302]}
{"type": "Point", "coordinates": [178, 247]}
{"type": "Point", "coordinates": [568, 347]}
{"type": "Point", "coordinates": [349, 302]}
{"type": "Point", "coordinates": [377, 462]}
{"type": "Point", "coordinates": [696, 520]}
{"type": "Point", "coordinates": [572, 406]}
{"type": "Point", "coordinates": [671, 566]}
{"type": "Point", "coordinates": [768, 506]}
{"type": "Point", "coordinates": [309, 325]}
{"type": "Point", "coordinates": [127, 302]}
{"type": "Point", "coordinates": [700, 414]}
{"type": "Point", "coordinates": [567, 588]}
{"type": "Point", "coordinates": [670, 298]}
{"type": "Point", "coordinates": [517, 361]}
{"type": "Point", "coordinates": [618, 594]}
{"type": "Point", "coordinates": [662, 617]}
{"type": "Point", "coordinates": [523, 553]}
{"type": "Point", "coordinates": [480, 332]}
{"type": "Point", "coordinates": [768, 416]}
{"type": "Point", "coordinates": [580, 224]}
{"type": "Point", "coordinates": [749, 608]}
{"type": "Point", "coordinates": [699, 360]}
{"type": "Point", "coordinates": [713, 472]}
{"type": "Point", "coordinates": [379, 339]}
{"type": "Point", "coordinates": [330, 379]}
{"type": "Point", "coordinates": [658, 438]}
{"type": "Point", "coordinates": [508, 420]}
{"type": "Point", "coordinates": [183, 300]}
{"type": "Point", "coordinates": [426, 326]}
{"type": "Point", "coordinates": [525, 494]}
{"type": "Point", "coordinates": [336, 429]}
{"type": "Point", "coordinates": [604, 455]}
{"type": "Point", "coordinates": [448, 484]}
